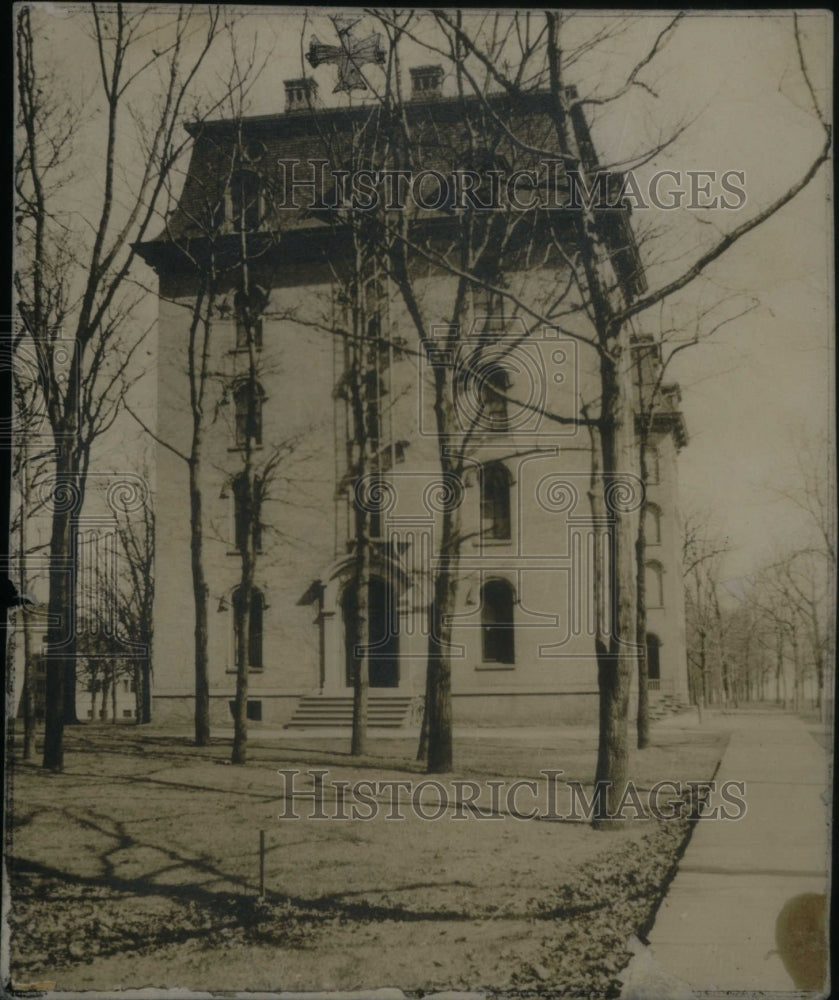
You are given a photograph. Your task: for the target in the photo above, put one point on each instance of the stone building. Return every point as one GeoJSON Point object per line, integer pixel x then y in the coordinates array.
{"type": "Point", "coordinates": [523, 641]}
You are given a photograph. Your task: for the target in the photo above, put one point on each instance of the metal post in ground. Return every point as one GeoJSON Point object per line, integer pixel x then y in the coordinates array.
{"type": "Point", "coordinates": [262, 864]}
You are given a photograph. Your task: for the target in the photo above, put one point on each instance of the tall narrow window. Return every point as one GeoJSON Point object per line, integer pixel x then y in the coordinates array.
{"type": "Point", "coordinates": [254, 645]}
{"type": "Point", "coordinates": [653, 460]}
{"type": "Point", "coordinates": [654, 584]}
{"type": "Point", "coordinates": [247, 399]}
{"type": "Point", "coordinates": [242, 331]}
{"type": "Point", "coordinates": [247, 308]}
{"type": "Point", "coordinates": [495, 501]}
{"type": "Point", "coordinates": [653, 660]}
{"type": "Point", "coordinates": [373, 410]}
{"type": "Point", "coordinates": [246, 515]}
{"type": "Point", "coordinates": [497, 628]}
{"type": "Point", "coordinates": [652, 523]}
{"type": "Point", "coordinates": [245, 201]}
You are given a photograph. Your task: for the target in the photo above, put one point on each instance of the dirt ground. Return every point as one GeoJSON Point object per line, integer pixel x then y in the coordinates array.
{"type": "Point", "coordinates": [138, 867]}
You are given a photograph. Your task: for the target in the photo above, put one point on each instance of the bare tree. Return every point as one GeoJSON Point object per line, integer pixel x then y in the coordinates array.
{"type": "Point", "coordinates": [71, 283]}
{"type": "Point", "coordinates": [792, 597]}
{"type": "Point", "coordinates": [30, 469]}
{"type": "Point", "coordinates": [134, 600]}
{"type": "Point", "coordinates": [218, 235]}
{"type": "Point", "coordinates": [253, 483]}
{"type": "Point", "coordinates": [702, 553]}
{"type": "Point", "coordinates": [611, 294]}
{"type": "Point", "coordinates": [201, 234]}
{"type": "Point", "coordinates": [657, 403]}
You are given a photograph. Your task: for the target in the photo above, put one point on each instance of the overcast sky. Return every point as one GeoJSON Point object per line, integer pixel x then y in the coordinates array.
{"type": "Point", "coordinates": [766, 380]}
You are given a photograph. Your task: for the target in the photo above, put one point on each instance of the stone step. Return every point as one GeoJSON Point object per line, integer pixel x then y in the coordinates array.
{"type": "Point", "coordinates": [335, 711]}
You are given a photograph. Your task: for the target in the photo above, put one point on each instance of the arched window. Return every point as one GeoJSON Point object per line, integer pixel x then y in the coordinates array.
{"type": "Point", "coordinates": [653, 660]}
{"type": "Point", "coordinates": [497, 628]}
{"type": "Point", "coordinates": [247, 399]}
{"type": "Point", "coordinates": [254, 645]}
{"type": "Point", "coordinates": [495, 501]}
{"type": "Point", "coordinates": [244, 517]}
{"type": "Point", "coordinates": [654, 585]}
{"type": "Point", "coordinates": [245, 200]}
{"type": "Point", "coordinates": [653, 462]}
{"type": "Point", "coordinates": [652, 523]}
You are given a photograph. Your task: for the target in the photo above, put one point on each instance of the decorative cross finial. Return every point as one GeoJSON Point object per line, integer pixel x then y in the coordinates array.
{"type": "Point", "coordinates": [350, 55]}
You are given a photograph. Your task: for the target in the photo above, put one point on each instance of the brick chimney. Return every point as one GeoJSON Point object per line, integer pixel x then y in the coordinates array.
{"type": "Point", "coordinates": [426, 82]}
{"type": "Point", "coordinates": [300, 95]}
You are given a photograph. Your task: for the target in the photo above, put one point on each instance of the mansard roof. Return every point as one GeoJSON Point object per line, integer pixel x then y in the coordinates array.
{"type": "Point", "coordinates": [447, 134]}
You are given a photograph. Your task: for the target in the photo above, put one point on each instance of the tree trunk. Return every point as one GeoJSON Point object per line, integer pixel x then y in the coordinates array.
{"type": "Point", "coordinates": [251, 499]}
{"type": "Point", "coordinates": [69, 695]}
{"type": "Point", "coordinates": [200, 595]}
{"type": "Point", "coordinates": [145, 678]}
{"type": "Point", "coordinates": [60, 597]}
{"type": "Point", "coordinates": [617, 658]}
{"type": "Point", "coordinates": [796, 674]}
{"type": "Point", "coordinates": [28, 693]}
{"type": "Point", "coordinates": [106, 682]}
{"type": "Point", "coordinates": [439, 678]}
{"type": "Point", "coordinates": [242, 613]}
{"type": "Point", "coordinates": [779, 667]}
{"type": "Point", "coordinates": [137, 675]}
{"type": "Point", "coordinates": [114, 682]}
{"type": "Point", "coordinates": [242, 603]}
{"type": "Point", "coordinates": [360, 638]}
{"type": "Point", "coordinates": [366, 421]}
{"type": "Point", "coordinates": [422, 748]}
{"type": "Point", "coordinates": [819, 682]}
{"type": "Point", "coordinates": [643, 717]}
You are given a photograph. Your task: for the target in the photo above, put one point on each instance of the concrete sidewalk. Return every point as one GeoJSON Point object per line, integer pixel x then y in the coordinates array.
{"type": "Point", "coordinates": [716, 929]}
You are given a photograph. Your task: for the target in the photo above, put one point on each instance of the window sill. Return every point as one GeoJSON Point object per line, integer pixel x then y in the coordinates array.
{"type": "Point", "coordinates": [241, 447]}
{"type": "Point", "coordinates": [495, 666]}
{"type": "Point", "coordinates": [494, 542]}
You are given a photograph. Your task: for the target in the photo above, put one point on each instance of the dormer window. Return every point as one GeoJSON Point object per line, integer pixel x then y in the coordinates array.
{"type": "Point", "coordinates": [426, 81]}
{"type": "Point", "coordinates": [300, 95]}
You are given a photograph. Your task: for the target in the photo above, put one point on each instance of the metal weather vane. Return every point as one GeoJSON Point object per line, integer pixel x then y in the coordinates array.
{"type": "Point", "coordinates": [350, 55]}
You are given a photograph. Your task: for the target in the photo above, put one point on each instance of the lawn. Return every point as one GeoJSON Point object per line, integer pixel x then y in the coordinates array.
{"type": "Point", "coordinates": [138, 867]}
